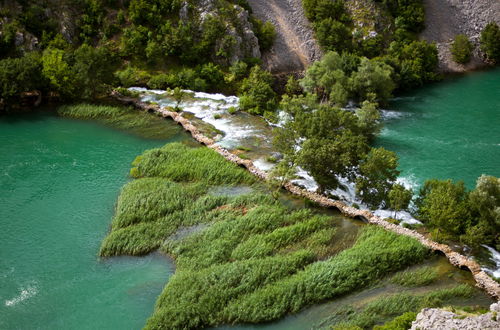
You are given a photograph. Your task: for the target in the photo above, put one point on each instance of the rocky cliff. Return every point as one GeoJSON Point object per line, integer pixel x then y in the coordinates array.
{"type": "Point", "coordinates": [447, 18]}
{"type": "Point", "coordinates": [295, 47]}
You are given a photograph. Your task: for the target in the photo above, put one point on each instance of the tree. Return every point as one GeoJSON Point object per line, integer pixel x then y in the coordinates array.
{"type": "Point", "coordinates": [399, 198]}
{"type": "Point", "coordinates": [461, 49]}
{"type": "Point", "coordinates": [325, 159]}
{"type": "Point", "coordinates": [444, 205]}
{"type": "Point", "coordinates": [490, 41]}
{"type": "Point", "coordinates": [333, 35]}
{"type": "Point", "coordinates": [178, 94]}
{"type": "Point", "coordinates": [369, 119]}
{"type": "Point", "coordinates": [58, 72]}
{"type": "Point", "coordinates": [19, 75]}
{"type": "Point", "coordinates": [323, 75]}
{"type": "Point", "coordinates": [377, 174]}
{"type": "Point", "coordinates": [373, 77]}
{"type": "Point", "coordinates": [484, 201]}
{"type": "Point", "coordinates": [93, 69]}
{"type": "Point", "coordinates": [292, 86]}
{"type": "Point", "coordinates": [257, 95]}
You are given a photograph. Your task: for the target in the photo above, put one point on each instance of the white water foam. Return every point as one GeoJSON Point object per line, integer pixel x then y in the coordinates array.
{"type": "Point", "coordinates": [495, 258]}
{"type": "Point", "coordinates": [26, 293]}
{"type": "Point", "coordinates": [263, 164]}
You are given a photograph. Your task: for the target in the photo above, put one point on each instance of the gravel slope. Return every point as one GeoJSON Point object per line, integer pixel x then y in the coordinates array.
{"type": "Point", "coordinates": [447, 18]}
{"type": "Point", "coordinates": [295, 47]}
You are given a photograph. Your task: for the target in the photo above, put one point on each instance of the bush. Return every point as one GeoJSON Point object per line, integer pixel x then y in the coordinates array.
{"type": "Point", "coordinates": [490, 41]}
{"type": "Point", "coordinates": [333, 35]}
{"type": "Point", "coordinates": [256, 93]}
{"type": "Point", "coordinates": [265, 32]}
{"type": "Point", "coordinates": [132, 76]}
{"type": "Point", "coordinates": [461, 49]}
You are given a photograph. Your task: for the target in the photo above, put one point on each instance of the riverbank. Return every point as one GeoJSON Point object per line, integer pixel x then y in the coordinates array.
{"type": "Point", "coordinates": [483, 280]}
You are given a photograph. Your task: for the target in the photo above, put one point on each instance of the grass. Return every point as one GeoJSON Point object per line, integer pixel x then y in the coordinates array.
{"type": "Point", "coordinates": [420, 277]}
{"type": "Point", "coordinates": [397, 310]}
{"type": "Point", "coordinates": [254, 260]}
{"type": "Point", "coordinates": [181, 163]}
{"type": "Point", "coordinates": [123, 118]}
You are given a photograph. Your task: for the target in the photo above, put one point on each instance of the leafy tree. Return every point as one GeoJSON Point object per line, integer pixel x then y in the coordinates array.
{"type": "Point", "coordinates": [332, 144]}
{"type": "Point", "coordinates": [369, 119]}
{"type": "Point", "coordinates": [58, 72]}
{"type": "Point", "coordinates": [415, 63]}
{"type": "Point", "coordinates": [399, 198]}
{"type": "Point", "coordinates": [19, 75]}
{"type": "Point", "coordinates": [444, 205]}
{"type": "Point", "coordinates": [485, 205]}
{"type": "Point", "coordinates": [317, 10]}
{"type": "Point", "coordinates": [324, 158]}
{"type": "Point", "coordinates": [322, 75]}
{"type": "Point", "coordinates": [333, 35]}
{"type": "Point", "coordinates": [178, 95]}
{"type": "Point", "coordinates": [373, 77]}
{"type": "Point", "coordinates": [461, 49]}
{"type": "Point", "coordinates": [377, 174]}
{"type": "Point", "coordinates": [490, 41]}
{"type": "Point", "coordinates": [93, 69]}
{"type": "Point", "coordinates": [257, 95]}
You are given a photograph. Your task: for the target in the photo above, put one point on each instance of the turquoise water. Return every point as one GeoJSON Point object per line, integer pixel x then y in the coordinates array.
{"type": "Point", "coordinates": [59, 181]}
{"type": "Point", "coordinates": [447, 130]}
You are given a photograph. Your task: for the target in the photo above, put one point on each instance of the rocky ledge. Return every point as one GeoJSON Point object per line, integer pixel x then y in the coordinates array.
{"type": "Point", "coordinates": [439, 319]}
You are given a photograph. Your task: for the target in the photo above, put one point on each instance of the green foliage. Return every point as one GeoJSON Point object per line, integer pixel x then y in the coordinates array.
{"type": "Point", "coordinates": [378, 172]}
{"type": "Point", "coordinates": [292, 86]}
{"type": "Point", "coordinates": [265, 32]}
{"type": "Point", "coordinates": [57, 70]}
{"type": "Point", "coordinates": [178, 162]}
{"type": "Point", "coordinates": [402, 322]}
{"type": "Point", "coordinates": [339, 77]}
{"type": "Point", "coordinates": [461, 49]}
{"type": "Point", "coordinates": [390, 306]}
{"type": "Point", "coordinates": [19, 75]}
{"type": "Point", "coordinates": [399, 197]}
{"type": "Point", "coordinates": [414, 62]}
{"type": "Point", "coordinates": [369, 119]}
{"type": "Point", "coordinates": [132, 76]}
{"type": "Point", "coordinates": [490, 41]}
{"type": "Point", "coordinates": [333, 35]}
{"type": "Point", "coordinates": [123, 118]}
{"type": "Point", "coordinates": [444, 205]}
{"type": "Point", "coordinates": [332, 140]}
{"type": "Point", "coordinates": [373, 77]}
{"type": "Point", "coordinates": [256, 93]}
{"type": "Point", "coordinates": [420, 277]}
{"type": "Point", "coordinates": [93, 69]}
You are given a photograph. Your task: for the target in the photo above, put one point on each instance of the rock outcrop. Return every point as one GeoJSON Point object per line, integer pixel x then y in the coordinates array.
{"type": "Point", "coordinates": [482, 279]}
{"type": "Point", "coordinates": [444, 19]}
{"type": "Point", "coordinates": [295, 47]}
{"type": "Point", "coordinates": [439, 319]}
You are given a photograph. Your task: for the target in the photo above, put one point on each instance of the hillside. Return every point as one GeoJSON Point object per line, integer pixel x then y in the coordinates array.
{"type": "Point", "coordinates": [447, 18]}
{"type": "Point", "coordinates": [295, 46]}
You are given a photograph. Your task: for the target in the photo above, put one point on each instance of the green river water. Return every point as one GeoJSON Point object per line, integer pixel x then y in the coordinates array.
{"type": "Point", "coordinates": [447, 130]}
{"type": "Point", "coordinates": [59, 181]}
{"type": "Point", "coordinates": [60, 178]}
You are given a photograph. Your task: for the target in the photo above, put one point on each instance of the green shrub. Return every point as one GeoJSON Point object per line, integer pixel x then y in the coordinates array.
{"type": "Point", "coordinates": [490, 41]}
{"type": "Point", "coordinates": [461, 49]}
{"type": "Point", "coordinates": [256, 93]}
{"type": "Point", "coordinates": [401, 322]}
{"type": "Point", "coordinates": [132, 76]}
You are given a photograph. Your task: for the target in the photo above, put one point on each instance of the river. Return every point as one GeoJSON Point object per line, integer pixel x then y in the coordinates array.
{"type": "Point", "coordinates": [447, 130]}
{"type": "Point", "coordinates": [60, 178]}
{"type": "Point", "coordinates": [59, 181]}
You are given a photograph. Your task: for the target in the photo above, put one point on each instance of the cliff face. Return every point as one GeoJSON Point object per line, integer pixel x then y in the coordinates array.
{"type": "Point", "coordinates": [295, 47]}
{"type": "Point", "coordinates": [444, 19]}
